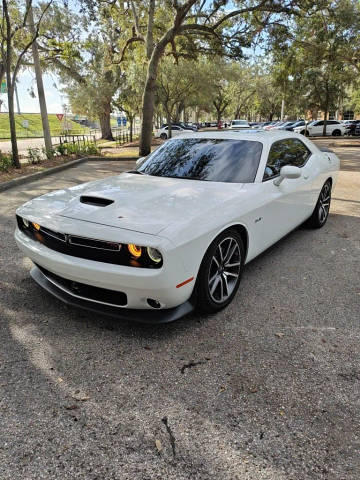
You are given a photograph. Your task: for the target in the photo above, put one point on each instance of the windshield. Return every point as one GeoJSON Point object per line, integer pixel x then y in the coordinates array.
{"type": "Point", "coordinates": [209, 159]}
{"type": "Point", "coordinates": [239, 122]}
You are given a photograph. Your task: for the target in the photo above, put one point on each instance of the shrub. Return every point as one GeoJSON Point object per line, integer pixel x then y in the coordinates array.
{"type": "Point", "coordinates": [35, 155]}
{"type": "Point", "coordinates": [61, 149]}
{"type": "Point", "coordinates": [87, 148]}
{"type": "Point", "coordinates": [5, 162]}
{"type": "Point", "coordinates": [48, 153]}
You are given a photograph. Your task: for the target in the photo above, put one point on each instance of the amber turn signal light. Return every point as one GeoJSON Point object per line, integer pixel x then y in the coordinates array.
{"type": "Point", "coordinates": [135, 250]}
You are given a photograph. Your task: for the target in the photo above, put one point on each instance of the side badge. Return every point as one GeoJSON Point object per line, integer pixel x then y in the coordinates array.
{"type": "Point", "coordinates": [258, 219]}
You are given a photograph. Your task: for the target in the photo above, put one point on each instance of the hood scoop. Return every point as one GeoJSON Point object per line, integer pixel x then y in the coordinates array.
{"type": "Point", "coordinates": [95, 201]}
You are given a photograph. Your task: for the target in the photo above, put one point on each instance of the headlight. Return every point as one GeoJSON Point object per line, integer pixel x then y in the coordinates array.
{"type": "Point", "coordinates": [25, 222]}
{"type": "Point", "coordinates": [134, 250]}
{"type": "Point", "coordinates": [154, 254]}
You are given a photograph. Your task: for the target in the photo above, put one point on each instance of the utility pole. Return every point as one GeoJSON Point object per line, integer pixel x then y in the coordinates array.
{"type": "Point", "coordinates": [40, 87]}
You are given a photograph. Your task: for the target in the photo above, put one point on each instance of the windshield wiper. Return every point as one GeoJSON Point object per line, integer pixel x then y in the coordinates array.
{"type": "Point", "coordinates": [136, 172]}
{"type": "Point", "coordinates": [183, 177]}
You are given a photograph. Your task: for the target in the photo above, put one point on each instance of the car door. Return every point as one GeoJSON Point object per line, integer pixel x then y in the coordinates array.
{"type": "Point", "coordinates": [288, 205]}
{"type": "Point", "coordinates": [317, 128]}
{"type": "Point", "coordinates": [176, 131]}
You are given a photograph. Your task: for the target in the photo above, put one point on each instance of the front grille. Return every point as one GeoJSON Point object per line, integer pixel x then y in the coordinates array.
{"type": "Point", "coordinates": [87, 248]}
{"type": "Point", "coordinates": [91, 243]}
{"type": "Point", "coordinates": [87, 292]}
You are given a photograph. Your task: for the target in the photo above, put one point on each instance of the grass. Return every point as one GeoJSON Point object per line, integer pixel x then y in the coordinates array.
{"type": "Point", "coordinates": [35, 126]}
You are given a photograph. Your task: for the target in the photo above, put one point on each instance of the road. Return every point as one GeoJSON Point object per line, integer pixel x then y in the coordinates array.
{"type": "Point", "coordinates": [25, 143]}
{"type": "Point", "coordinates": [268, 388]}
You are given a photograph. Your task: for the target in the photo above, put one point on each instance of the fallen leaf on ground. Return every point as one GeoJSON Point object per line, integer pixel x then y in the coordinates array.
{"type": "Point", "coordinates": [158, 445]}
{"type": "Point", "coordinates": [279, 334]}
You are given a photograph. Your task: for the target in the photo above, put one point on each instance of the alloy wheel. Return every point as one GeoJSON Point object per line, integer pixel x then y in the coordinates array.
{"type": "Point", "coordinates": [224, 270]}
{"type": "Point", "coordinates": [324, 203]}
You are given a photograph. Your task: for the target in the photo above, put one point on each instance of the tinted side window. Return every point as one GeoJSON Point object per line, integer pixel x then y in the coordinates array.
{"type": "Point", "coordinates": [285, 152]}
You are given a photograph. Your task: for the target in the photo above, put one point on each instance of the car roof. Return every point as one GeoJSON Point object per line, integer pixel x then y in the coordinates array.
{"type": "Point", "coordinates": [263, 136]}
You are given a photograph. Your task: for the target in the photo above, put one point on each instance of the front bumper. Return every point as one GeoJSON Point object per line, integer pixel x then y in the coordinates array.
{"type": "Point", "coordinates": [138, 284]}
{"type": "Point", "coordinates": [136, 315]}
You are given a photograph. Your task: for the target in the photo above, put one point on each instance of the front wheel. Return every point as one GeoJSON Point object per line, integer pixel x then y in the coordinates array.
{"type": "Point", "coordinates": [163, 136]}
{"type": "Point", "coordinates": [220, 272]}
{"type": "Point", "coordinates": [322, 208]}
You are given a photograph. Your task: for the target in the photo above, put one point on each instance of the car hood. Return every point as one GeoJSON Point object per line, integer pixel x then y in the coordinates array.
{"type": "Point", "coordinates": [141, 203]}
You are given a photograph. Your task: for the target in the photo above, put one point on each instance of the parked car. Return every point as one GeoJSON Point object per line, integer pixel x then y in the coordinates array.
{"type": "Point", "coordinates": [270, 125]}
{"type": "Point", "coordinates": [175, 233]}
{"type": "Point", "coordinates": [290, 128]}
{"type": "Point", "coordinates": [283, 125]}
{"type": "Point", "coordinates": [333, 127]}
{"type": "Point", "coordinates": [357, 129]}
{"type": "Point", "coordinates": [237, 124]}
{"type": "Point", "coordinates": [350, 126]}
{"type": "Point", "coordinates": [184, 126]}
{"type": "Point", "coordinates": [164, 132]}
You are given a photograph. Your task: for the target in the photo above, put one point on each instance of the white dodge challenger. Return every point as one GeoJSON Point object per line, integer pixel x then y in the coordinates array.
{"type": "Point", "coordinates": [174, 234]}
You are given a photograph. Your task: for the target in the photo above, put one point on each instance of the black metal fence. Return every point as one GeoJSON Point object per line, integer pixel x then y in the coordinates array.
{"type": "Point", "coordinates": [80, 140]}
{"type": "Point", "coordinates": [123, 136]}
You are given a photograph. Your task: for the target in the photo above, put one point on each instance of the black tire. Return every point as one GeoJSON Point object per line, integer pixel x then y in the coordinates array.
{"type": "Point", "coordinates": [305, 132]}
{"type": "Point", "coordinates": [163, 136]}
{"type": "Point", "coordinates": [322, 208]}
{"type": "Point", "coordinates": [227, 278]}
{"type": "Point", "coordinates": [336, 133]}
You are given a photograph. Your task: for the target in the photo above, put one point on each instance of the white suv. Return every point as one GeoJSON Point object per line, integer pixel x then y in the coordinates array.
{"type": "Point", "coordinates": [333, 127]}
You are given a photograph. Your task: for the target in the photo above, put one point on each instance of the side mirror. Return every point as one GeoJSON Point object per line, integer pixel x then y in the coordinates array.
{"type": "Point", "coordinates": [139, 161]}
{"type": "Point", "coordinates": [288, 171]}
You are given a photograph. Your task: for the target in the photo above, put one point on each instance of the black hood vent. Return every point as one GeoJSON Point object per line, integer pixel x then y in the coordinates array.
{"type": "Point", "coordinates": [96, 201]}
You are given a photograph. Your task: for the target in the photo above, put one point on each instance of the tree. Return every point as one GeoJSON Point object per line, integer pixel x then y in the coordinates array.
{"type": "Point", "coordinates": [16, 40]}
{"type": "Point", "coordinates": [177, 84]}
{"type": "Point", "coordinates": [86, 64]}
{"type": "Point", "coordinates": [311, 51]}
{"type": "Point", "coordinates": [40, 86]}
{"type": "Point", "coordinates": [185, 29]}
{"type": "Point", "coordinates": [128, 99]}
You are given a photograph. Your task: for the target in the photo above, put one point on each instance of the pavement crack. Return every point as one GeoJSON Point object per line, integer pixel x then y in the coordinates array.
{"type": "Point", "coordinates": [190, 365]}
{"type": "Point", "coordinates": [170, 433]}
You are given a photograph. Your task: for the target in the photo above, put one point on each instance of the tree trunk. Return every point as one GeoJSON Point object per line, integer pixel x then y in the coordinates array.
{"type": "Point", "coordinates": [148, 100]}
{"type": "Point", "coordinates": [15, 153]}
{"type": "Point", "coordinates": [10, 87]}
{"type": "Point", "coordinates": [325, 122]}
{"type": "Point", "coordinates": [40, 87]}
{"type": "Point", "coordinates": [131, 119]}
{"type": "Point", "coordinates": [104, 118]}
{"type": "Point", "coordinates": [148, 109]}
{"type": "Point", "coordinates": [168, 121]}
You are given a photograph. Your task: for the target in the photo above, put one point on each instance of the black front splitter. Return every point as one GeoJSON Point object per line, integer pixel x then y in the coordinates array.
{"type": "Point", "coordinates": [128, 314]}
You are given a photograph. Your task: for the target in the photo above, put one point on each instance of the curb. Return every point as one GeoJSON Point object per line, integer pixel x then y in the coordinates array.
{"type": "Point", "coordinates": [44, 173]}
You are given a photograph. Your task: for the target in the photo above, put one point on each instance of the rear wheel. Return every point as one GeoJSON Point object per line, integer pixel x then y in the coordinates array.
{"type": "Point", "coordinates": [220, 272]}
{"type": "Point", "coordinates": [163, 136]}
{"type": "Point", "coordinates": [322, 208]}
{"type": "Point", "coordinates": [336, 133]}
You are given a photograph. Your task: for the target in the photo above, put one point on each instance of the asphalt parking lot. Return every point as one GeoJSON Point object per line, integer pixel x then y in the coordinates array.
{"type": "Point", "coordinates": [267, 389]}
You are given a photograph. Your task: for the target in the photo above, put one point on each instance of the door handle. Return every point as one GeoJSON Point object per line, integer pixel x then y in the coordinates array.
{"type": "Point", "coordinates": [306, 176]}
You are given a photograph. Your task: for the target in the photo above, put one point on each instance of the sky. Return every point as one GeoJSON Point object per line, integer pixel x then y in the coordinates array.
{"type": "Point", "coordinates": [54, 97]}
